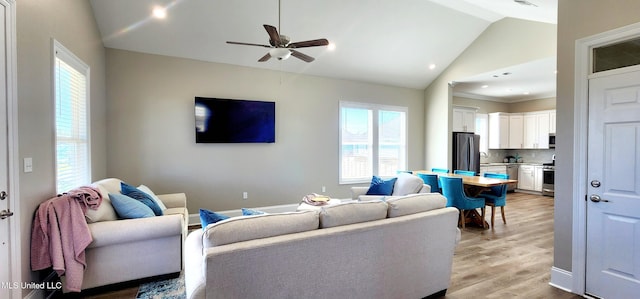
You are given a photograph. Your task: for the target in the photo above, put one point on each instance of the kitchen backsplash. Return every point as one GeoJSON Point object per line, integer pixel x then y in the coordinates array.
{"type": "Point", "coordinates": [527, 155]}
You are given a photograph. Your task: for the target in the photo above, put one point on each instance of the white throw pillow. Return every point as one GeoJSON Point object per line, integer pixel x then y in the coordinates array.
{"type": "Point", "coordinates": [105, 211]}
{"type": "Point", "coordinates": [146, 189]}
{"type": "Point", "coordinates": [407, 184]}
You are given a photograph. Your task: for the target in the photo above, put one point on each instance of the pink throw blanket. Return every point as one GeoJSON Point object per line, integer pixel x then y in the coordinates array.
{"type": "Point", "coordinates": [60, 234]}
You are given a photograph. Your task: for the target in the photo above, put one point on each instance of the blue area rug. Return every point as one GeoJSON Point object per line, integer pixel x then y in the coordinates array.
{"type": "Point", "coordinates": [163, 289]}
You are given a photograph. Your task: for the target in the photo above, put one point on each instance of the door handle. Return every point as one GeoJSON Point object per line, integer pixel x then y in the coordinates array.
{"type": "Point", "coordinates": [596, 198]}
{"type": "Point", "coordinates": [5, 213]}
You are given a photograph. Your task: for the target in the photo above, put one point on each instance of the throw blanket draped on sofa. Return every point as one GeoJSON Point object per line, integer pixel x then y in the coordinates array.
{"type": "Point", "coordinates": [60, 234]}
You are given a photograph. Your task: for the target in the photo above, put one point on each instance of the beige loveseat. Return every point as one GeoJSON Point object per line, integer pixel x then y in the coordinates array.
{"type": "Point", "coordinates": [405, 184]}
{"type": "Point", "coordinates": [401, 248]}
{"type": "Point", "coordinates": [129, 249]}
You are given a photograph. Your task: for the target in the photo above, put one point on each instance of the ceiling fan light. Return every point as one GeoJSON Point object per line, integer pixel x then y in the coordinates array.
{"type": "Point", "coordinates": [280, 53]}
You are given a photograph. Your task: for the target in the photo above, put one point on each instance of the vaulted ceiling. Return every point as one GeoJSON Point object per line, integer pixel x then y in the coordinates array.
{"type": "Point", "coordinates": [405, 43]}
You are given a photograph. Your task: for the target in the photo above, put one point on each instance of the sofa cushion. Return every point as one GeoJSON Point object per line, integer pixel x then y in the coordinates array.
{"type": "Point", "coordinates": [105, 211]}
{"type": "Point", "coordinates": [380, 186]}
{"type": "Point", "coordinates": [407, 184]}
{"type": "Point", "coordinates": [352, 212]}
{"type": "Point", "coordinates": [209, 217]}
{"type": "Point", "coordinates": [144, 198]}
{"type": "Point", "coordinates": [128, 208]}
{"type": "Point", "coordinates": [415, 203]}
{"type": "Point", "coordinates": [238, 229]}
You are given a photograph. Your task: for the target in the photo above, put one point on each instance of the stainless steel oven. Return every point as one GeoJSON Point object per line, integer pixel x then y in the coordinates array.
{"type": "Point", "coordinates": [548, 178]}
{"type": "Point", "coordinates": [552, 140]}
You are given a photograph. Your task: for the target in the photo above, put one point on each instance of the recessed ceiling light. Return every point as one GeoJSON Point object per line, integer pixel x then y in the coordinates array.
{"type": "Point", "coordinates": [525, 93]}
{"type": "Point", "coordinates": [432, 66]}
{"type": "Point", "coordinates": [159, 12]}
{"type": "Point", "coordinates": [331, 46]}
{"type": "Point", "coordinates": [484, 86]}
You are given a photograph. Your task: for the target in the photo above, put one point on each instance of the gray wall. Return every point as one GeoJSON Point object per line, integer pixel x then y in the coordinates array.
{"type": "Point", "coordinates": [72, 24]}
{"type": "Point", "coordinates": [505, 43]}
{"type": "Point", "coordinates": [151, 130]}
{"type": "Point", "coordinates": [576, 19]}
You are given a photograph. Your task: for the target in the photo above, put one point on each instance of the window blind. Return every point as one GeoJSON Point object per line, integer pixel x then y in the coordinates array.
{"type": "Point", "coordinates": [71, 121]}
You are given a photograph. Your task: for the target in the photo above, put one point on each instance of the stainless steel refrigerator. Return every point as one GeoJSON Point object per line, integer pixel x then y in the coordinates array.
{"type": "Point", "coordinates": [466, 152]}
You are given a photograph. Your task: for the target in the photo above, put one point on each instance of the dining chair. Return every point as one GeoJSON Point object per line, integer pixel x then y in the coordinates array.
{"type": "Point", "coordinates": [497, 197]}
{"type": "Point", "coordinates": [464, 172]}
{"type": "Point", "coordinates": [431, 180]}
{"type": "Point", "coordinates": [440, 170]}
{"type": "Point", "coordinates": [452, 189]}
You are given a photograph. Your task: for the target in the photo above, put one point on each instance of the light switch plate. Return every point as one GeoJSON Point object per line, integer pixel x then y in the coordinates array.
{"type": "Point", "coordinates": [28, 164]}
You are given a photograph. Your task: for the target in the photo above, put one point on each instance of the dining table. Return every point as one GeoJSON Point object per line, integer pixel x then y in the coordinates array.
{"type": "Point", "coordinates": [473, 186]}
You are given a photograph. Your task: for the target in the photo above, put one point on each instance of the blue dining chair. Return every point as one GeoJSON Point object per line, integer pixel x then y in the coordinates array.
{"type": "Point", "coordinates": [452, 190]}
{"type": "Point", "coordinates": [497, 196]}
{"type": "Point", "coordinates": [440, 170]}
{"type": "Point", "coordinates": [464, 172]}
{"type": "Point", "coordinates": [431, 180]}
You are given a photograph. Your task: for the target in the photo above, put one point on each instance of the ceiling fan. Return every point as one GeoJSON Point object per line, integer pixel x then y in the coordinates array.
{"type": "Point", "coordinates": [281, 45]}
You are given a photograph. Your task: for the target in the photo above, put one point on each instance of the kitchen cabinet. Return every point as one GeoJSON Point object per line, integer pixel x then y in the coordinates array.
{"type": "Point", "coordinates": [552, 122]}
{"type": "Point", "coordinates": [493, 169]}
{"type": "Point", "coordinates": [464, 119]}
{"type": "Point", "coordinates": [526, 177]}
{"type": "Point", "coordinates": [537, 179]}
{"type": "Point", "coordinates": [516, 123]}
{"type": "Point", "coordinates": [535, 131]}
{"type": "Point", "coordinates": [498, 130]}
{"type": "Point", "coordinates": [530, 177]}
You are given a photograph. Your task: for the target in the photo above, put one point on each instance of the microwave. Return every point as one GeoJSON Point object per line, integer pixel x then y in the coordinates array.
{"type": "Point", "coordinates": [552, 140]}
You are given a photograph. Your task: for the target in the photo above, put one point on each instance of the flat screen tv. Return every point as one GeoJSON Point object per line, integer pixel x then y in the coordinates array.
{"type": "Point", "coordinates": [234, 121]}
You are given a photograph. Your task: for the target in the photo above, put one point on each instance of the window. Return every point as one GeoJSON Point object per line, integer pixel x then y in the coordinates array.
{"type": "Point", "coordinates": [373, 141]}
{"type": "Point", "coordinates": [71, 84]}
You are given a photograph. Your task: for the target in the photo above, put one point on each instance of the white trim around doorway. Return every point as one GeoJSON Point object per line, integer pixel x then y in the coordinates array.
{"type": "Point", "coordinates": [582, 74]}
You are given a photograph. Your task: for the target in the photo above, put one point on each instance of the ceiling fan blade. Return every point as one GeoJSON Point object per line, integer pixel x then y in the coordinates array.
{"type": "Point", "coordinates": [310, 43]}
{"type": "Point", "coordinates": [274, 37]}
{"type": "Point", "coordinates": [301, 56]}
{"type": "Point", "coordinates": [265, 58]}
{"type": "Point", "coordinates": [248, 44]}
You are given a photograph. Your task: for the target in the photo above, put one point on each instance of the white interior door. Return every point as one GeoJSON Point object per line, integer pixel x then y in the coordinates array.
{"type": "Point", "coordinates": [5, 275]}
{"type": "Point", "coordinates": [613, 200]}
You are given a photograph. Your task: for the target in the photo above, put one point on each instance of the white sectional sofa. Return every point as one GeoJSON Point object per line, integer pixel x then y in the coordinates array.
{"type": "Point", "coordinates": [129, 249]}
{"type": "Point", "coordinates": [399, 248]}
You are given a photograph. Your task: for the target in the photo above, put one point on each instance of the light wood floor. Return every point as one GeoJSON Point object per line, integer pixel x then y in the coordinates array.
{"type": "Point", "coordinates": [508, 261]}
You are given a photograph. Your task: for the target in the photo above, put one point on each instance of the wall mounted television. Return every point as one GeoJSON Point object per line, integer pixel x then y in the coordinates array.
{"type": "Point", "coordinates": [234, 121]}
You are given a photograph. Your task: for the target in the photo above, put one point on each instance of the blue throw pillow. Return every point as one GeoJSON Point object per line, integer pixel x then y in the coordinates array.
{"type": "Point", "coordinates": [129, 208]}
{"type": "Point", "coordinates": [380, 186]}
{"type": "Point", "coordinates": [208, 217]}
{"type": "Point", "coordinates": [249, 212]}
{"type": "Point", "coordinates": [144, 198]}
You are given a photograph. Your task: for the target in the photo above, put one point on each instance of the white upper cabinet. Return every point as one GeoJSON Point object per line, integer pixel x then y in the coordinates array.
{"type": "Point", "coordinates": [498, 130]}
{"type": "Point", "coordinates": [536, 130]}
{"type": "Point", "coordinates": [516, 123]}
{"type": "Point", "coordinates": [464, 119]}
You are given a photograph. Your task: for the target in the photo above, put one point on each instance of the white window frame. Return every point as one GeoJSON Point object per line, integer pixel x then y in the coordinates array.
{"type": "Point", "coordinates": [59, 52]}
{"type": "Point", "coordinates": [375, 108]}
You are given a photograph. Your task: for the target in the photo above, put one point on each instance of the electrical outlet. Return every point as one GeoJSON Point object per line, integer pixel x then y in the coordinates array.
{"type": "Point", "coordinates": [28, 164]}
{"type": "Point", "coordinates": [324, 189]}
{"type": "Point", "coordinates": [245, 195]}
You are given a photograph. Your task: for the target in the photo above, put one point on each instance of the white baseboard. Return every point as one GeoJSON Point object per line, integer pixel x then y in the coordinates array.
{"type": "Point", "coordinates": [561, 279]}
{"type": "Point", "coordinates": [194, 219]}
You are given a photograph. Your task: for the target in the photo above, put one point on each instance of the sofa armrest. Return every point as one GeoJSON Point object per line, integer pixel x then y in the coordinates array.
{"type": "Point", "coordinates": [356, 192]}
{"type": "Point", "coordinates": [130, 230]}
{"type": "Point", "coordinates": [174, 200]}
